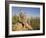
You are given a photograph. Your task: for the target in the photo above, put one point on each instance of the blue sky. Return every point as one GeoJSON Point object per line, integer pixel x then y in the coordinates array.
{"type": "Point", "coordinates": [29, 11]}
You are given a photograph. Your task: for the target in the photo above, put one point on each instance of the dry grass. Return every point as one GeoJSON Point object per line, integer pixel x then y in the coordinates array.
{"type": "Point", "coordinates": [19, 27]}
